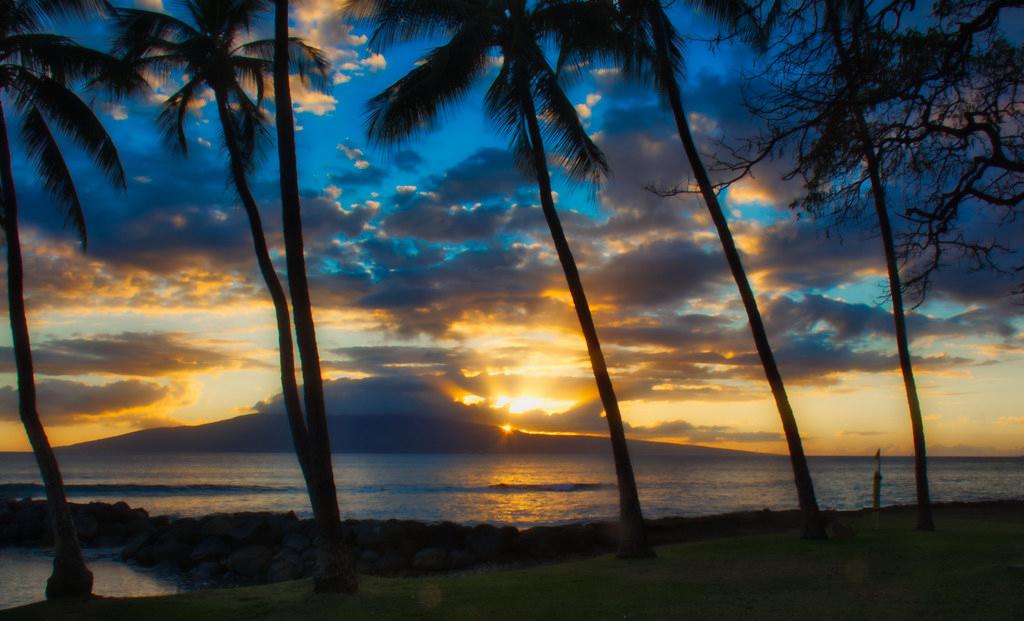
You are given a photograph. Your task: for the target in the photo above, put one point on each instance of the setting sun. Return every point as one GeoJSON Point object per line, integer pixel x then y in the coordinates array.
{"type": "Point", "coordinates": [506, 428]}
{"type": "Point", "coordinates": [523, 403]}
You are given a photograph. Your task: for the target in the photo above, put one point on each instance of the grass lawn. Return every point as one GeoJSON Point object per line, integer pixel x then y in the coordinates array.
{"type": "Point", "coordinates": [973, 568]}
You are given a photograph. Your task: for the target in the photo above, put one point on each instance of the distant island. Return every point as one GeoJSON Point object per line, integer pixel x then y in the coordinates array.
{"type": "Point", "coordinates": [269, 433]}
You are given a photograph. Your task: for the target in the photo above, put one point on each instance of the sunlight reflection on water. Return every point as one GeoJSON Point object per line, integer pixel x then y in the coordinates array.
{"type": "Point", "coordinates": [520, 490]}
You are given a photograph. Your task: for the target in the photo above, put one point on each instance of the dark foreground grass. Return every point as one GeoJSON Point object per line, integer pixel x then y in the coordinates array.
{"type": "Point", "coordinates": [973, 568]}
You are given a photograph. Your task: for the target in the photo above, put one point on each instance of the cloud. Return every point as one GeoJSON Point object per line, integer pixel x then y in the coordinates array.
{"type": "Point", "coordinates": [429, 220]}
{"type": "Point", "coordinates": [487, 173]}
{"type": "Point", "coordinates": [305, 99]}
{"type": "Point", "coordinates": [405, 394]}
{"type": "Point", "coordinates": [682, 430]}
{"type": "Point", "coordinates": [132, 354]}
{"type": "Point", "coordinates": [659, 273]}
{"type": "Point", "coordinates": [64, 402]}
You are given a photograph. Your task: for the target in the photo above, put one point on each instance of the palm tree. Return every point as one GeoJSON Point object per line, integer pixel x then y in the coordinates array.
{"type": "Point", "coordinates": [525, 90]}
{"type": "Point", "coordinates": [336, 567]}
{"type": "Point", "coordinates": [848, 59]}
{"type": "Point", "coordinates": [210, 52]}
{"type": "Point", "coordinates": [651, 47]}
{"type": "Point", "coordinates": [37, 73]}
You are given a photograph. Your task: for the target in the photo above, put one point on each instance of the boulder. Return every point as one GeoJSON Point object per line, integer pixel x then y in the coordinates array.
{"type": "Point", "coordinates": [136, 543]}
{"type": "Point", "coordinates": [461, 559]}
{"type": "Point", "coordinates": [369, 534]}
{"type": "Point", "coordinates": [216, 526]}
{"type": "Point", "coordinates": [431, 559]}
{"type": "Point", "coordinates": [121, 512]}
{"type": "Point", "coordinates": [252, 529]}
{"type": "Point", "coordinates": [487, 542]}
{"type": "Point", "coordinates": [86, 525]}
{"type": "Point", "coordinates": [444, 534]}
{"type": "Point", "coordinates": [185, 530]}
{"type": "Point", "coordinates": [250, 561]}
{"type": "Point", "coordinates": [30, 522]}
{"type": "Point", "coordinates": [9, 533]}
{"type": "Point", "coordinates": [578, 538]}
{"type": "Point", "coordinates": [295, 541]}
{"type": "Point", "coordinates": [145, 556]}
{"type": "Point", "coordinates": [138, 525]}
{"type": "Point", "coordinates": [287, 567]}
{"type": "Point", "coordinates": [541, 542]}
{"type": "Point", "coordinates": [210, 549]}
{"type": "Point", "coordinates": [172, 553]}
{"type": "Point", "coordinates": [206, 572]}
{"type": "Point", "coordinates": [606, 533]}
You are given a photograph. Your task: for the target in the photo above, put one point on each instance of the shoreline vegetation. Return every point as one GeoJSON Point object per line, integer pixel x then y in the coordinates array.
{"type": "Point", "coordinates": [724, 566]}
{"type": "Point", "coordinates": [246, 548]}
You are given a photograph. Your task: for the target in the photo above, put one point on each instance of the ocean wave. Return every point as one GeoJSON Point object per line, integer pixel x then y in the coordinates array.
{"type": "Point", "coordinates": [496, 488]}
{"type": "Point", "coordinates": [122, 489]}
{"type": "Point", "coordinates": [548, 487]}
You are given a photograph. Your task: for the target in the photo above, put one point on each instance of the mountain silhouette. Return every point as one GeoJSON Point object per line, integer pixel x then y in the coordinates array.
{"type": "Point", "coordinates": [269, 433]}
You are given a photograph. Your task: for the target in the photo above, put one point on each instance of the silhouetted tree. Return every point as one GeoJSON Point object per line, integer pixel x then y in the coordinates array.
{"type": "Point", "coordinates": [211, 53]}
{"type": "Point", "coordinates": [38, 72]}
{"type": "Point", "coordinates": [651, 49]}
{"type": "Point", "coordinates": [526, 102]}
{"type": "Point", "coordinates": [871, 103]}
{"type": "Point", "coordinates": [335, 564]}
{"type": "Point", "coordinates": [961, 81]}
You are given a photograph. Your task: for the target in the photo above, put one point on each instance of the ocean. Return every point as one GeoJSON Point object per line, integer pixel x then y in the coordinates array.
{"type": "Point", "coordinates": [519, 490]}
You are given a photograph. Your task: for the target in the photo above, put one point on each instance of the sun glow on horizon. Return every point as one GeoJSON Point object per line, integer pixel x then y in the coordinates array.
{"type": "Point", "coordinates": [525, 403]}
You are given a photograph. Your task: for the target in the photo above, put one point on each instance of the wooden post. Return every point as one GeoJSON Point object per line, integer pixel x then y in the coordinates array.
{"type": "Point", "coordinates": [876, 489]}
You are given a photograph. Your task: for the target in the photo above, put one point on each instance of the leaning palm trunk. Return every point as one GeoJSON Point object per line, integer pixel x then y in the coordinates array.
{"type": "Point", "coordinates": [70, 577]}
{"type": "Point", "coordinates": [924, 506]}
{"type": "Point", "coordinates": [812, 526]}
{"type": "Point", "coordinates": [633, 534]}
{"type": "Point", "coordinates": [286, 350]}
{"type": "Point", "coordinates": [335, 566]}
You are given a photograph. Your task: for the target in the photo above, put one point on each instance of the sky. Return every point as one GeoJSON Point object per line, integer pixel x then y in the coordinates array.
{"type": "Point", "coordinates": [436, 289]}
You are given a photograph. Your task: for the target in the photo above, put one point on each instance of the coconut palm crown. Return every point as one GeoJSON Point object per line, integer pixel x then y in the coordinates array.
{"type": "Point", "coordinates": [39, 75]}
{"type": "Point", "coordinates": [211, 55]}
{"type": "Point", "coordinates": [527, 103]}
{"type": "Point", "coordinates": [650, 48]}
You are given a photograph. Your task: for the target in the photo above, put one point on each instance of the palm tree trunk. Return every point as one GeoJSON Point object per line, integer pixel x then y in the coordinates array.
{"type": "Point", "coordinates": [335, 565]}
{"type": "Point", "coordinates": [289, 387]}
{"type": "Point", "coordinates": [633, 532]}
{"type": "Point", "coordinates": [924, 505]}
{"type": "Point", "coordinates": [812, 524]}
{"type": "Point", "coordinates": [70, 577]}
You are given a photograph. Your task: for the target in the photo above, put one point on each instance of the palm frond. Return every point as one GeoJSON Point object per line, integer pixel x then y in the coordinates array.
{"type": "Point", "coordinates": [416, 100]}
{"type": "Point", "coordinates": [250, 127]}
{"type": "Point", "coordinates": [44, 10]}
{"type": "Point", "coordinates": [583, 160]}
{"type": "Point", "coordinates": [251, 73]}
{"type": "Point", "coordinates": [583, 31]}
{"type": "Point", "coordinates": [506, 102]}
{"type": "Point", "coordinates": [139, 32]}
{"type": "Point", "coordinates": [305, 60]}
{"type": "Point", "coordinates": [73, 118]}
{"type": "Point", "coordinates": [397, 21]}
{"type": "Point", "coordinates": [52, 170]}
{"type": "Point", "coordinates": [172, 118]}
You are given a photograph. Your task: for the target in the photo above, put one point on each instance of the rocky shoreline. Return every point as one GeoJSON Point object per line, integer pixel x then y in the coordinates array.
{"type": "Point", "coordinates": [248, 548]}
